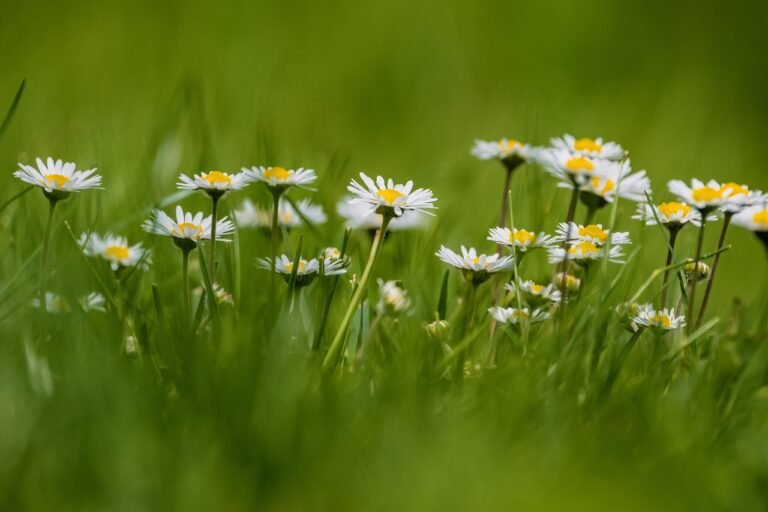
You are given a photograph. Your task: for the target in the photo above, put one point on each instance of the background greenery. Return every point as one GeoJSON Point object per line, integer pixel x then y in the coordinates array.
{"type": "Point", "coordinates": [144, 90]}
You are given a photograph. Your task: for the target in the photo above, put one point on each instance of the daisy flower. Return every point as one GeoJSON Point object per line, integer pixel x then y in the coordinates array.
{"type": "Point", "coordinates": [358, 216]}
{"type": "Point", "coordinates": [307, 271]}
{"type": "Point", "coordinates": [521, 239]}
{"type": "Point", "coordinates": [214, 183]}
{"type": "Point", "coordinates": [593, 148]}
{"type": "Point", "coordinates": [281, 178]}
{"type": "Point", "coordinates": [671, 214]}
{"type": "Point", "coordinates": [477, 268]}
{"type": "Point", "coordinates": [664, 319]}
{"type": "Point", "coordinates": [510, 152]}
{"type": "Point", "coordinates": [537, 292]}
{"type": "Point", "coordinates": [249, 215]}
{"type": "Point", "coordinates": [57, 178]}
{"type": "Point", "coordinates": [94, 301]}
{"type": "Point", "coordinates": [569, 167]}
{"type": "Point", "coordinates": [585, 252]}
{"type": "Point", "coordinates": [54, 303]}
{"type": "Point", "coordinates": [614, 179]}
{"type": "Point", "coordinates": [737, 197]}
{"type": "Point", "coordinates": [115, 250]}
{"type": "Point", "coordinates": [703, 197]}
{"type": "Point", "coordinates": [389, 199]}
{"type": "Point", "coordinates": [221, 295]}
{"type": "Point", "coordinates": [515, 316]}
{"type": "Point", "coordinates": [570, 282]}
{"type": "Point", "coordinates": [592, 233]}
{"type": "Point", "coordinates": [393, 298]}
{"type": "Point", "coordinates": [187, 229]}
{"type": "Point", "coordinates": [754, 218]}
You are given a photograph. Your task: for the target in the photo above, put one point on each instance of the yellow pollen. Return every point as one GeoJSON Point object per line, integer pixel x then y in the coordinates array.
{"type": "Point", "coordinates": [761, 217]}
{"type": "Point", "coordinates": [279, 173]}
{"type": "Point", "coordinates": [733, 189]}
{"type": "Point", "coordinates": [302, 266]}
{"type": "Point", "coordinates": [594, 232]}
{"type": "Point", "coordinates": [664, 320]}
{"type": "Point", "coordinates": [189, 230]}
{"type": "Point", "coordinates": [287, 216]}
{"type": "Point", "coordinates": [706, 194]}
{"type": "Point", "coordinates": [509, 145]}
{"type": "Point", "coordinates": [673, 208]}
{"type": "Point", "coordinates": [536, 289]}
{"type": "Point", "coordinates": [117, 252]}
{"type": "Point", "coordinates": [607, 185]}
{"type": "Point", "coordinates": [58, 179]}
{"type": "Point", "coordinates": [586, 144]}
{"type": "Point", "coordinates": [215, 177]}
{"type": "Point", "coordinates": [475, 260]}
{"type": "Point", "coordinates": [579, 164]}
{"type": "Point", "coordinates": [584, 248]}
{"type": "Point", "coordinates": [389, 195]}
{"type": "Point", "coordinates": [522, 236]}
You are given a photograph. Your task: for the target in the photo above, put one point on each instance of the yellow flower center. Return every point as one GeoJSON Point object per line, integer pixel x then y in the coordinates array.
{"type": "Point", "coordinates": [278, 173]}
{"type": "Point", "coordinates": [117, 252]}
{"type": "Point", "coordinates": [674, 208]}
{"type": "Point", "coordinates": [475, 260]}
{"type": "Point", "coordinates": [761, 217]}
{"type": "Point", "coordinates": [579, 164]}
{"type": "Point", "coordinates": [509, 146]}
{"type": "Point", "coordinates": [583, 248]}
{"type": "Point", "coordinates": [602, 185]}
{"type": "Point", "coordinates": [58, 179]}
{"type": "Point", "coordinates": [389, 195]}
{"type": "Point", "coordinates": [706, 194]}
{"type": "Point", "coordinates": [664, 320]}
{"type": "Point", "coordinates": [536, 288]}
{"type": "Point", "coordinates": [287, 216]}
{"type": "Point", "coordinates": [215, 177]}
{"type": "Point", "coordinates": [189, 230]}
{"type": "Point", "coordinates": [594, 232]}
{"type": "Point", "coordinates": [587, 144]}
{"type": "Point", "coordinates": [302, 266]}
{"type": "Point", "coordinates": [733, 189]}
{"type": "Point", "coordinates": [522, 236]}
{"type": "Point", "coordinates": [519, 313]}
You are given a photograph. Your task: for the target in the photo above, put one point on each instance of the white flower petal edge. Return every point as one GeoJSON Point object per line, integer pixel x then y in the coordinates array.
{"type": "Point", "coordinates": [186, 225]}
{"type": "Point", "coordinates": [386, 195]}
{"type": "Point", "coordinates": [56, 175]}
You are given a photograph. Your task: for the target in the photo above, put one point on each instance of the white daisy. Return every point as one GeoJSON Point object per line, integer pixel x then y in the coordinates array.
{"type": "Point", "coordinates": [569, 281]}
{"type": "Point", "coordinates": [664, 320]}
{"type": "Point", "coordinates": [187, 229]}
{"type": "Point", "coordinates": [612, 179]}
{"type": "Point", "coordinates": [537, 292]}
{"type": "Point", "coordinates": [569, 167]}
{"type": "Point", "coordinates": [672, 214]}
{"type": "Point", "coordinates": [358, 216]}
{"type": "Point", "coordinates": [94, 301]}
{"type": "Point", "coordinates": [753, 218]}
{"type": "Point", "coordinates": [592, 233]}
{"type": "Point", "coordinates": [509, 151]}
{"type": "Point", "coordinates": [115, 250]}
{"type": "Point", "coordinates": [58, 178]}
{"type": "Point", "coordinates": [515, 316]}
{"type": "Point", "coordinates": [213, 182]}
{"type": "Point", "coordinates": [387, 198]}
{"type": "Point", "coordinates": [585, 252]}
{"type": "Point", "coordinates": [737, 197]}
{"type": "Point", "coordinates": [393, 298]}
{"type": "Point", "coordinates": [593, 148]}
{"type": "Point", "coordinates": [250, 215]}
{"type": "Point", "coordinates": [307, 271]}
{"type": "Point", "coordinates": [701, 196]}
{"type": "Point", "coordinates": [521, 239]}
{"type": "Point", "coordinates": [476, 267]}
{"type": "Point", "coordinates": [280, 177]}
{"type": "Point", "coordinates": [54, 303]}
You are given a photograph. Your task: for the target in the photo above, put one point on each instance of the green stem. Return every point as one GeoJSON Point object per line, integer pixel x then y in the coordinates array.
{"type": "Point", "coordinates": [591, 210]}
{"type": "Point", "coordinates": [670, 255]}
{"type": "Point", "coordinates": [276, 192]}
{"type": "Point", "coordinates": [695, 277]}
{"type": "Point", "coordinates": [564, 264]}
{"type": "Point", "coordinates": [726, 222]}
{"type": "Point", "coordinates": [185, 286]}
{"type": "Point", "coordinates": [46, 249]}
{"type": "Point", "coordinates": [212, 260]}
{"type": "Point", "coordinates": [358, 294]}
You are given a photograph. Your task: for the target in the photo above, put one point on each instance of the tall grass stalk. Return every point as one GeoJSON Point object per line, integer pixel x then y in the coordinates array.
{"type": "Point", "coordinates": [695, 275]}
{"type": "Point", "coordinates": [705, 300]}
{"type": "Point", "coordinates": [46, 249]}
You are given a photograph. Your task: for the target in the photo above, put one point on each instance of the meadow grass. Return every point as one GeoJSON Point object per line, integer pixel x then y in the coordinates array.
{"type": "Point", "coordinates": [238, 413]}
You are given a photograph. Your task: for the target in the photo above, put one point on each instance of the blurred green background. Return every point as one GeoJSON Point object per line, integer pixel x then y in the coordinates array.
{"type": "Point", "coordinates": [146, 89]}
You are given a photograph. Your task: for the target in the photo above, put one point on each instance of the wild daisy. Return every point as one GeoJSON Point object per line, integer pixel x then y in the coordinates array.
{"type": "Point", "coordinates": [593, 233]}
{"type": "Point", "coordinates": [737, 197]}
{"type": "Point", "coordinates": [593, 148]}
{"type": "Point", "coordinates": [249, 215]}
{"type": "Point", "coordinates": [567, 282]}
{"type": "Point", "coordinates": [664, 319]}
{"type": "Point", "coordinates": [570, 168]}
{"type": "Point", "coordinates": [54, 303]}
{"type": "Point", "coordinates": [754, 218]}
{"type": "Point", "coordinates": [513, 316]}
{"type": "Point", "coordinates": [281, 178]}
{"type": "Point", "coordinates": [521, 239]}
{"type": "Point", "coordinates": [358, 216]}
{"type": "Point", "coordinates": [611, 180]}
{"type": "Point", "coordinates": [535, 292]}
{"type": "Point", "coordinates": [393, 298]}
{"type": "Point", "coordinates": [115, 250]}
{"type": "Point", "coordinates": [477, 268]}
{"type": "Point", "coordinates": [94, 301]}
{"type": "Point", "coordinates": [307, 270]}
{"type": "Point", "coordinates": [585, 252]}
{"type": "Point", "coordinates": [672, 214]}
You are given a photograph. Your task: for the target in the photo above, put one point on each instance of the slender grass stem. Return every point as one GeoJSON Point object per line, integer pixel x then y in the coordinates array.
{"type": "Point", "coordinates": [670, 256]}
{"type": "Point", "coordinates": [505, 201]}
{"type": "Point", "coordinates": [212, 260]}
{"type": "Point", "coordinates": [705, 300]}
{"type": "Point", "coordinates": [185, 286]}
{"type": "Point", "coordinates": [276, 193]}
{"type": "Point", "coordinates": [695, 277]}
{"type": "Point", "coordinates": [46, 250]}
{"type": "Point", "coordinates": [358, 293]}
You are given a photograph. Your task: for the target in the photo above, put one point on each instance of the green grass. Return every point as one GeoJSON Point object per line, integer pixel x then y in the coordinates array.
{"type": "Point", "coordinates": [246, 419]}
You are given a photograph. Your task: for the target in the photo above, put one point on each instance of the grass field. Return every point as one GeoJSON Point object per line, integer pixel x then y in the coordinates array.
{"type": "Point", "coordinates": [241, 415]}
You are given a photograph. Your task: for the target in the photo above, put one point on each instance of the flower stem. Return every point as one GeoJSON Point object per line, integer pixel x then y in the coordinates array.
{"type": "Point", "coordinates": [185, 286]}
{"type": "Point", "coordinates": [358, 294]}
{"type": "Point", "coordinates": [568, 220]}
{"type": "Point", "coordinates": [726, 222]}
{"type": "Point", "coordinates": [695, 277]}
{"type": "Point", "coordinates": [44, 259]}
{"type": "Point", "coordinates": [273, 251]}
{"type": "Point", "coordinates": [504, 203]}
{"type": "Point", "coordinates": [670, 255]}
{"type": "Point", "coordinates": [212, 260]}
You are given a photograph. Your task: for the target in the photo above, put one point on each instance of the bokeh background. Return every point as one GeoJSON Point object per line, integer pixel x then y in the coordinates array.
{"type": "Point", "coordinates": [146, 89]}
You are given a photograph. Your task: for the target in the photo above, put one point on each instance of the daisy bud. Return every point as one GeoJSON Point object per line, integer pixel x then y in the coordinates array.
{"type": "Point", "coordinates": [439, 330]}
{"type": "Point", "coordinates": [703, 271]}
{"type": "Point", "coordinates": [131, 345]}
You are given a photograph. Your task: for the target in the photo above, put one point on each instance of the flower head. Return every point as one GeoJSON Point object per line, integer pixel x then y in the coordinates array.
{"type": "Point", "coordinates": [94, 301]}
{"type": "Point", "coordinates": [704, 197]}
{"type": "Point", "coordinates": [672, 214]}
{"type": "Point", "coordinates": [214, 183]}
{"type": "Point", "coordinates": [521, 239]}
{"type": "Point", "coordinates": [249, 215]}
{"type": "Point", "coordinates": [571, 168]}
{"type": "Point", "coordinates": [390, 199]}
{"type": "Point", "coordinates": [393, 298]}
{"type": "Point", "coordinates": [570, 282]}
{"type": "Point", "coordinates": [537, 292]}
{"type": "Point", "coordinates": [753, 218]}
{"type": "Point", "coordinates": [477, 268]}
{"type": "Point", "coordinates": [593, 148]}
{"type": "Point", "coordinates": [700, 272]}
{"type": "Point", "coordinates": [57, 178]}
{"type": "Point", "coordinates": [585, 252]}
{"type": "Point", "coordinates": [307, 269]}
{"type": "Point", "coordinates": [359, 216]}
{"type": "Point", "coordinates": [592, 233]}
{"type": "Point", "coordinates": [510, 152]}
{"type": "Point", "coordinates": [115, 250]}
{"type": "Point", "coordinates": [614, 179]}
{"type": "Point", "coordinates": [281, 178]}
{"type": "Point", "coordinates": [664, 320]}
{"type": "Point", "coordinates": [187, 229]}
{"type": "Point", "coordinates": [737, 197]}
{"type": "Point", "coordinates": [515, 316]}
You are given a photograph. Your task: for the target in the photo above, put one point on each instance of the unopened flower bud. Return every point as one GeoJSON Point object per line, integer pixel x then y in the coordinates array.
{"type": "Point", "coordinates": [702, 272]}
{"type": "Point", "coordinates": [439, 330]}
